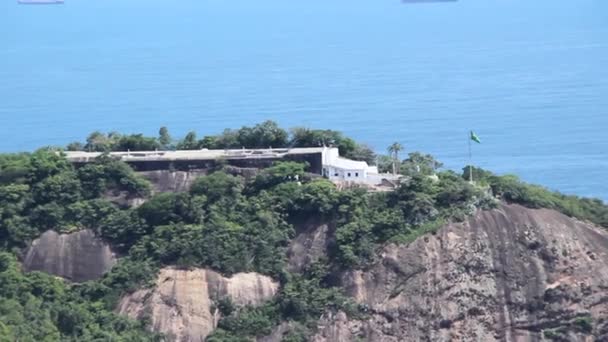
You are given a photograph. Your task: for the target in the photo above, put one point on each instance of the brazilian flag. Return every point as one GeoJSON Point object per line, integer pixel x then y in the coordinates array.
{"type": "Point", "coordinates": [475, 138]}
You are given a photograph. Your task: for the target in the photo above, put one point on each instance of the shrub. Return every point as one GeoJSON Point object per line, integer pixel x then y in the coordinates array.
{"type": "Point", "coordinates": [584, 324]}
{"type": "Point", "coordinates": [509, 188]}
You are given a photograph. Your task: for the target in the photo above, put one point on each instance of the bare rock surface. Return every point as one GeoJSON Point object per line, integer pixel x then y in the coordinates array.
{"type": "Point", "coordinates": [172, 181]}
{"type": "Point", "coordinates": [123, 199]}
{"type": "Point", "coordinates": [509, 274]}
{"type": "Point", "coordinates": [310, 244]}
{"type": "Point", "coordinates": [181, 304]}
{"type": "Point", "coordinates": [181, 181]}
{"type": "Point", "coordinates": [245, 172]}
{"type": "Point", "coordinates": [78, 257]}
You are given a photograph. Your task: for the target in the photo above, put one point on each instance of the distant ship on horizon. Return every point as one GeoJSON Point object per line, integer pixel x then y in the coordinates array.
{"type": "Point", "coordinates": [40, 2]}
{"type": "Point", "coordinates": [422, 1]}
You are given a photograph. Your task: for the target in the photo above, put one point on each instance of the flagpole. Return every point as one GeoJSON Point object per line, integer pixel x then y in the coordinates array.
{"type": "Point", "coordinates": [470, 160]}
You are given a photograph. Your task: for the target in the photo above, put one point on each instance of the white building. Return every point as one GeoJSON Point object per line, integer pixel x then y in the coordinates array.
{"type": "Point", "coordinates": [337, 168]}
{"type": "Point", "coordinates": [333, 167]}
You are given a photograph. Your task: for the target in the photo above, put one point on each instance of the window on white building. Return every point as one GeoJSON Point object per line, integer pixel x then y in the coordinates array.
{"type": "Point", "coordinates": [349, 174]}
{"type": "Point", "coordinates": [356, 174]}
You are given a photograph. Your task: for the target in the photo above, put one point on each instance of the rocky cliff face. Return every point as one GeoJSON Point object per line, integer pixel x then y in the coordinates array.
{"type": "Point", "coordinates": [180, 181]}
{"type": "Point", "coordinates": [172, 181]}
{"type": "Point", "coordinates": [162, 181]}
{"type": "Point", "coordinates": [181, 305]}
{"type": "Point", "coordinates": [78, 256]}
{"type": "Point", "coordinates": [311, 243]}
{"type": "Point", "coordinates": [510, 274]}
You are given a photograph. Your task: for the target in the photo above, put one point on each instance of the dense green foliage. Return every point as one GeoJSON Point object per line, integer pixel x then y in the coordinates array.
{"type": "Point", "coordinates": [264, 135]}
{"type": "Point", "coordinates": [302, 300]}
{"type": "Point", "coordinates": [39, 307]}
{"type": "Point", "coordinates": [510, 189]}
{"type": "Point", "coordinates": [415, 164]}
{"type": "Point", "coordinates": [418, 206]}
{"type": "Point", "coordinates": [48, 193]}
{"type": "Point", "coordinates": [43, 191]}
{"type": "Point", "coordinates": [226, 223]}
{"type": "Point", "coordinates": [363, 221]}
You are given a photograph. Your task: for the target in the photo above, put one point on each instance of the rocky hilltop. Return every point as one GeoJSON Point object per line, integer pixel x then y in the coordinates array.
{"type": "Point", "coordinates": [510, 274]}
{"type": "Point", "coordinates": [79, 256]}
{"type": "Point", "coordinates": [274, 254]}
{"type": "Point", "coordinates": [183, 303]}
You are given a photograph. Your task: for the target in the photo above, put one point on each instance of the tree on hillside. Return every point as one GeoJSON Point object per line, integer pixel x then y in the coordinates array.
{"type": "Point", "coordinates": [189, 142]}
{"type": "Point", "coordinates": [14, 168]}
{"type": "Point", "coordinates": [418, 163]}
{"type": "Point", "coordinates": [394, 150]}
{"type": "Point", "coordinates": [163, 137]}
{"type": "Point", "coordinates": [75, 146]}
{"type": "Point", "coordinates": [364, 153]}
{"type": "Point", "coordinates": [135, 142]}
{"type": "Point", "coordinates": [264, 135]}
{"type": "Point", "coordinates": [279, 173]}
{"type": "Point", "coordinates": [306, 137]}
{"type": "Point", "coordinates": [97, 142]}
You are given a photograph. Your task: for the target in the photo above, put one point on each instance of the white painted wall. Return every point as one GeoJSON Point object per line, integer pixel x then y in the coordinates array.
{"type": "Point", "coordinates": [337, 168]}
{"type": "Point", "coordinates": [344, 174]}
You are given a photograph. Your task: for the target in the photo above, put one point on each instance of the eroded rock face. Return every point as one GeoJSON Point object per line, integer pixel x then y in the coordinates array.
{"type": "Point", "coordinates": [181, 181]}
{"type": "Point", "coordinates": [181, 305]}
{"type": "Point", "coordinates": [310, 244]}
{"type": "Point", "coordinates": [172, 181]}
{"type": "Point", "coordinates": [123, 199]}
{"type": "Point", "coordinates": [78, 257]}
{"type": "Point", "coordinates": [505, 275]}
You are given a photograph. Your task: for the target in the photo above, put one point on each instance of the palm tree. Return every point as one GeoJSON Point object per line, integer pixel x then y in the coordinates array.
{"type": "Point", "coordinates": [394, 150]}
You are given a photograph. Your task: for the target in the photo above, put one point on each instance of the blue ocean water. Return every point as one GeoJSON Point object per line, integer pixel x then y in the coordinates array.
{"type": "Point", "coordinates": [530, 77]}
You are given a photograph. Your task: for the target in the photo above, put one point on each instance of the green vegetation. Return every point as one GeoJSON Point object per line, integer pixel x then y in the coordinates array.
{"type": "Point", "coordinates": [510, 189]}
{"type": "Point", "coordinates": [264, 135]}
{"type": "Point", "coordinates": [581, 324]}
{"type": "Point", "coordinates": [48, 193]}
{"type": "Point", "coordinates": [551, 334]}
{"type": "Point", "coordinates": [226, 223]}
{"type": "Point", "coordinates": [584, 324]}
{"type": "Point", "coordinates": [39, 307]}
{"type": "Point", "coordinates": [42, 191]}
{"type": "Point", "coordinates": [415, 164]}
{"type": "Point", "coordinates": [393, 151]}
{"type": "Point", "coordinates": [420, 205]}
{"type": "Point", "coordinates": [302, 300]}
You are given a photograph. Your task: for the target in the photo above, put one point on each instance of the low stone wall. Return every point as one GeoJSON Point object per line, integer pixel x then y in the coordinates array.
{"type": "Point", "coordinates": [314, 161]}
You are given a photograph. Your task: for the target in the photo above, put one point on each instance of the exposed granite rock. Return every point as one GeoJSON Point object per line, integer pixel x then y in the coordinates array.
{"type": "Point", "coordinates": [123, 199]}
{"type": "Point", "coordinates": [336, 328]}
{"type": "Point", "coordinates": [181, 305]}
{"type": "Point", "coordinates": [181, 181]}
{"type": "Point", "coordinates": [162, 181]}
{"type": "Point", "coordinates": [245, 172]}
{"type": "Point", "coordinates": [278, 333]}
{"type": "Point", "coordinates": [309, 245]}
{"type": "Point", "coordinates": [78, 257]}
{"type": "Point", "coordinates": [508, 274]}
{"type": "Point", "coordinates": [172, 181]}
